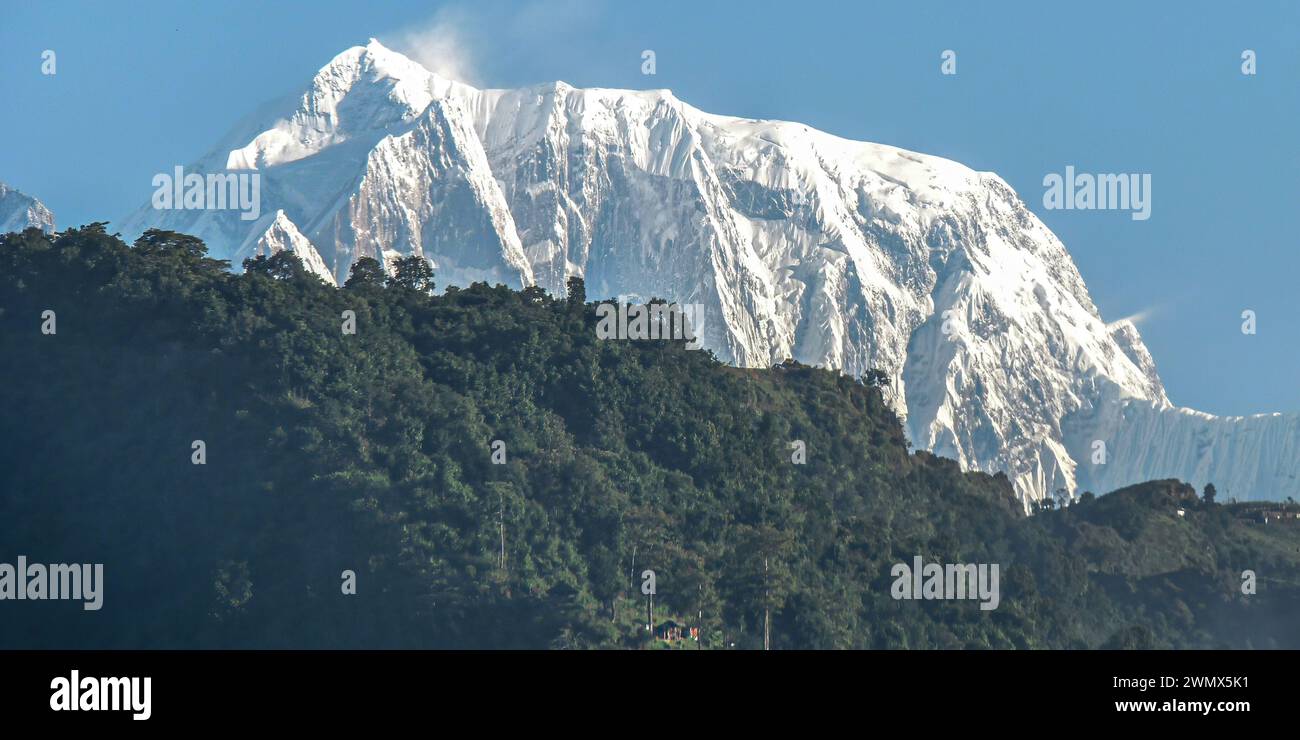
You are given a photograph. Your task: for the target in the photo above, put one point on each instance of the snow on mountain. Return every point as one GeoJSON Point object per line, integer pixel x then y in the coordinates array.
{"type": "Point", "coordinates": [429, 190]}
{"type": "Point", "coordinates": [273, 233]}
{"type": "Point", "coordinates": [798, 243]}
{"type": "Point", "coordinates": [1245, 457]}
{"type": "Point", "coordinates": [19, 211]}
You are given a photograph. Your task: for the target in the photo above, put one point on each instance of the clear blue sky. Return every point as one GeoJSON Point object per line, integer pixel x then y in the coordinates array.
{"type": "Point", "coordinates": [1105, 86]}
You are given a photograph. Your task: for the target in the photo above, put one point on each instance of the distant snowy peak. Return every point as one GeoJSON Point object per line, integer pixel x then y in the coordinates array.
{"type": "Point", "coordinates": [796, 243]}
{"type": "Point", "coordinates": [362, 94]}
{"type": "Point", "coordinates": [19, 211]}
{"type": "Point", "coordinates": [274, 233]}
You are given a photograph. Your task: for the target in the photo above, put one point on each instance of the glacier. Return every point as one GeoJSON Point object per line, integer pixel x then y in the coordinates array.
{"type": "Point", "coordinates": [799, 244]}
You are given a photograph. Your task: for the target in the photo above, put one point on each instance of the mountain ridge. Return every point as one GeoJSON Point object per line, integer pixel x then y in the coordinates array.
{"type": "Point", "coordinates": [799, 243]}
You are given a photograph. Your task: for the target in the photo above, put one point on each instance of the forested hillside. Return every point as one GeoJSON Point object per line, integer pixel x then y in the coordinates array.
{"type": "Point", "coordinates": [327, 451]}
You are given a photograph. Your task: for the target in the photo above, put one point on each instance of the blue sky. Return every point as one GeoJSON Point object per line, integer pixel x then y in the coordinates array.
{"type": "Point", "coordinates": [1104, 86]}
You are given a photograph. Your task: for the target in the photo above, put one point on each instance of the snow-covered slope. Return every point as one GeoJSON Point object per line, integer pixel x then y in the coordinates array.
{"type": "Point", "coordinates": [798, 244]}
{"type": "Point", "coordinates": [19, 211]}
{"type": "Point", "coordinates": [273, 233]}
{"type": "Point", "coordinates": [1243, 456]}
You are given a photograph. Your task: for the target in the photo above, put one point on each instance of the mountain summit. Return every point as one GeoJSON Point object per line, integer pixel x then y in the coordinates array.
{"type": "Point", "coordinates": [798, 243]}
{"type": "Point", "coordinates": [19, 211]}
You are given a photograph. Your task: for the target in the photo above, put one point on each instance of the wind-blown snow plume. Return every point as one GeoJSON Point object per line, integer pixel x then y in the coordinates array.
{"type": "Point", "coordinates": [462, 41]}
{"type": "Point", "coordinates": [1136, 318]}
{"type": "Point", "coordinates": [441, 46]}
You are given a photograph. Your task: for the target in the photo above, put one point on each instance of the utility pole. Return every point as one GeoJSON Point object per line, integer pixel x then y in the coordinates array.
{"type": "Point", "coordinates": [648, 588]}
{"type": "Point", "coordinates": [767, 609]}
{"type": "Point", "coordinates": [501, 522]}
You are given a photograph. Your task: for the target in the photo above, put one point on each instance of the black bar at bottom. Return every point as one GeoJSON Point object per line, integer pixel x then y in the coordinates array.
{"type": "Point", "coordinates": [241, 689]}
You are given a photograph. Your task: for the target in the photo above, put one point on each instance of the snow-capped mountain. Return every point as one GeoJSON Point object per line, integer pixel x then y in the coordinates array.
{"type": "Point", "coordinates": [798, 243]}
{"type": "Point", "coordinates": [19, 211]}
{"type": "Point", "coordinates": [273, 233]}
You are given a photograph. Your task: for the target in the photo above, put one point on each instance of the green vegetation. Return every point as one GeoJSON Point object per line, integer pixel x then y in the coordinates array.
{"type": "Point", "coordinates": [372, 452]}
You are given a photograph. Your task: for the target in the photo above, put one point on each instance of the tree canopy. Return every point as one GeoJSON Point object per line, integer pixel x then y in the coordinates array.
{"type": "Point", "coordinates": [374, 452]}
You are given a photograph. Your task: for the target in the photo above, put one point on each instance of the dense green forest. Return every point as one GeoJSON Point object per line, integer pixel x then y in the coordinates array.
{"type": "Point", "coordinates": [328, 451]}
